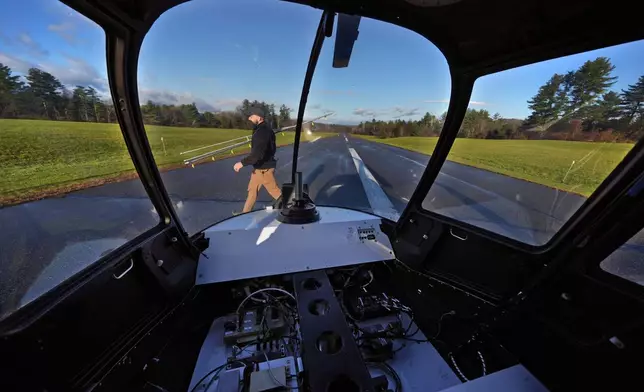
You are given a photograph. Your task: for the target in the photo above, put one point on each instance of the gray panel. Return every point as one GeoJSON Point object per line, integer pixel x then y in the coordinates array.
{"type": "Point", "coordinates": [229, 382]}
{"type": "Point", "coordinates": [419, 366]}
{"type": "Point", "coordinates": [268, 247]}
{"type": "Point", "coordinates": [513, 379]}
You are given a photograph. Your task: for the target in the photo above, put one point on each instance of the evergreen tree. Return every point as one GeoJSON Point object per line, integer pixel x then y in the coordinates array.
{"type": "Point", "coordinates": [632, 101]}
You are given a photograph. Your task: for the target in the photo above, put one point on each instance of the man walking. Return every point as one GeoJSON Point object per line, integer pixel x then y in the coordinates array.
{"type": "Point", "coordinates": [262, 158]}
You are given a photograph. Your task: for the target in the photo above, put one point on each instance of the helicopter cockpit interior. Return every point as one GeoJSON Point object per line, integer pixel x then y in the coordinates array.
{"type": "Point", "coordinates": [454, 252]}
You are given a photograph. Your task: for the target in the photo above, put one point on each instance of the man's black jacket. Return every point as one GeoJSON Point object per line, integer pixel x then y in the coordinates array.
{"type": "Point", "coordinates": [262, 153]}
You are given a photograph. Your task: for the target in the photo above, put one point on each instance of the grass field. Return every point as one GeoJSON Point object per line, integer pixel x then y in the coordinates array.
{"type": "Point", "coordinates": [40, 158]}
{"type": "Point", "coordinates": [542, 161]}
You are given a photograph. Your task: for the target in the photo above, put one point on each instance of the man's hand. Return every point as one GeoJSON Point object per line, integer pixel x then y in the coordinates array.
{"type": "Point", "coordinates": [238, 166]}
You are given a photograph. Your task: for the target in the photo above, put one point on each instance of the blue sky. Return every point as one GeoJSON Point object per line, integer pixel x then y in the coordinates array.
{"type": "Point", "coordinates": [217, 52]}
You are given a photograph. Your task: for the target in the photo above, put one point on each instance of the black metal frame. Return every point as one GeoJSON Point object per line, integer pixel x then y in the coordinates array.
{"type": "Point", "coordinates": [324, 368]}
{"type": "Point", "coordinates": [320, 35]}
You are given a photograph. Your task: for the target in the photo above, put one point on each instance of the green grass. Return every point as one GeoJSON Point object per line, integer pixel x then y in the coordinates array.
{"type": "Point", "coordinates": [542, 161]}
{"type": "Point", "coordinates": [50, 157]}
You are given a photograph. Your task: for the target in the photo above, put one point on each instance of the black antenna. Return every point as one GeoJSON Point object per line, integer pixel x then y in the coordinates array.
{"type": "Point", "coordinates": [310, 70]}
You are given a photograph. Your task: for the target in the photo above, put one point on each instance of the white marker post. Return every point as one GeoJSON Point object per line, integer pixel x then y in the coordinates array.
{"type": "Point", "coordinates": [569, 169]}
{"type": "Point", "coordinates": [162, 142]}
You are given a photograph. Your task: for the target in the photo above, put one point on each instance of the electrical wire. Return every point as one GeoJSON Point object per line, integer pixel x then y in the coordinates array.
{"type": "Point", "coordinates": [159, 387]}
{"type": "Point", "coordinates": [217, 369]}
{"type": "Point", "coordinates": [440, 323]}
{"type": "Point", "coordinates": [370, 280]}
{"type": "Point", "coordinates": [482, 362]}
{"type": "Point", "coordinates": [460, 372]}
{"type": "Point", "coordinates": [261, 291]}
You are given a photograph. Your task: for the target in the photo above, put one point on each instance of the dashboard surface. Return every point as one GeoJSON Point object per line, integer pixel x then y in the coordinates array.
{"type": "Point", "coordinates": [256, 244]}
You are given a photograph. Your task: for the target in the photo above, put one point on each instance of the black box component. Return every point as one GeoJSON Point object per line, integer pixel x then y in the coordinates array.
{"type": "Point", "coordinates": [330, 352]}
{"type": "Point", "coordinates": [379, 348]}
{"type": "Point", "coordinates": [367, 306]}
{"type": "Point", "coordinates": [251, 325]}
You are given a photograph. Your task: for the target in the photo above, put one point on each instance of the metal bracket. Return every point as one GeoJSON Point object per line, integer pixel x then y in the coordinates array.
{"type": "Point", "coordinates": [122, 274]}
{"type": "Point", "coordinates": [464, 238]}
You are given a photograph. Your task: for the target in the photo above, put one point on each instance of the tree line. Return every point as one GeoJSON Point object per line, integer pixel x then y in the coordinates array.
{"type": "Point", "coordinates": [582, 102]}
{"type": "Point", "coordinates": [42, 96]}
{"type": "Point", "coordinates": [188, 115]}
{"type": "Point", "coordinates": [578, 105]}
{"type": "Point", "coordinates": [476, 124]}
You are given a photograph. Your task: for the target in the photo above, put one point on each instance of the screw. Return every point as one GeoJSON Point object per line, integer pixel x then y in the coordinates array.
{"type": "Point", "coordinates": [159, 263]}
{"type": "Point", "coordinates": [174, 239]}
{"type": "Point", "coordinates": [425, 236]}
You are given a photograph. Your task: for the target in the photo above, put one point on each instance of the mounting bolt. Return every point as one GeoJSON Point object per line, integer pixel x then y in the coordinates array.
{"type": "Point", "coordinates": [411, 221]}
{"type": "Point", "coordinates": [159, 263]}
{"type": "Point", "coordinates": [174, 239]}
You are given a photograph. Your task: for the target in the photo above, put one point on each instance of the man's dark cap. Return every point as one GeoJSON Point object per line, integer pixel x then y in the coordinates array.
{"type": "Point", "coordinates": [256, 110]}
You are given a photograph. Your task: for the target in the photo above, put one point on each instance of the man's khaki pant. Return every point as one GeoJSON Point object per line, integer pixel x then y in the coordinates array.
{"type": "Point", "coordinates": [259, 178]}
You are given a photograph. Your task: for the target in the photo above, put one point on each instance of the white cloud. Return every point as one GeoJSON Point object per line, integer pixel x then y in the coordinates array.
{"type": "Point", "coordinates": [73, 72]}
{"type": "Point", "coordinates": [32, 46]}
{"type": "Point", "coordinates": [66, 30]}
{"type": "Point", "coordinates": [393, 112]}
{"type": "Point", "coordinates": [16, 64]}
{"type": "Point", "coordinates": [184, 98]}
{"type": "Point", "coordinates": [228, 103]}
{"type": "Point", "coordinates": [364, 112]}
{"type": "Point", "coordinates": [77, 72]}
{"type": "Point", "coordinates": [405, 112]}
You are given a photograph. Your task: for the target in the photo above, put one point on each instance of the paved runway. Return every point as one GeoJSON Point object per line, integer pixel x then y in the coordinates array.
{"type": "Point", "coordinates": [52, 239]}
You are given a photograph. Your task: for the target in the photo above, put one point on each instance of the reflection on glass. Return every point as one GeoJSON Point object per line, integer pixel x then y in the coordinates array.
{"type": "Point", "coordinates": [68, 189]}
{"type": "Point", "coordinates": [538, 140]}
{"type": "Point", "coordinates": [202, 67]}
{"type": "Point", "coordinates": [627, 261]}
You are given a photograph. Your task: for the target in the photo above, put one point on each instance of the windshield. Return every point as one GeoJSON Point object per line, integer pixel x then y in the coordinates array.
{"type": "Point", "coordinates": [205, 65]}
{"type": "Point", "coordinates": [537, 141]}
{"type": "Point", "coordinates": [63, 159]}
